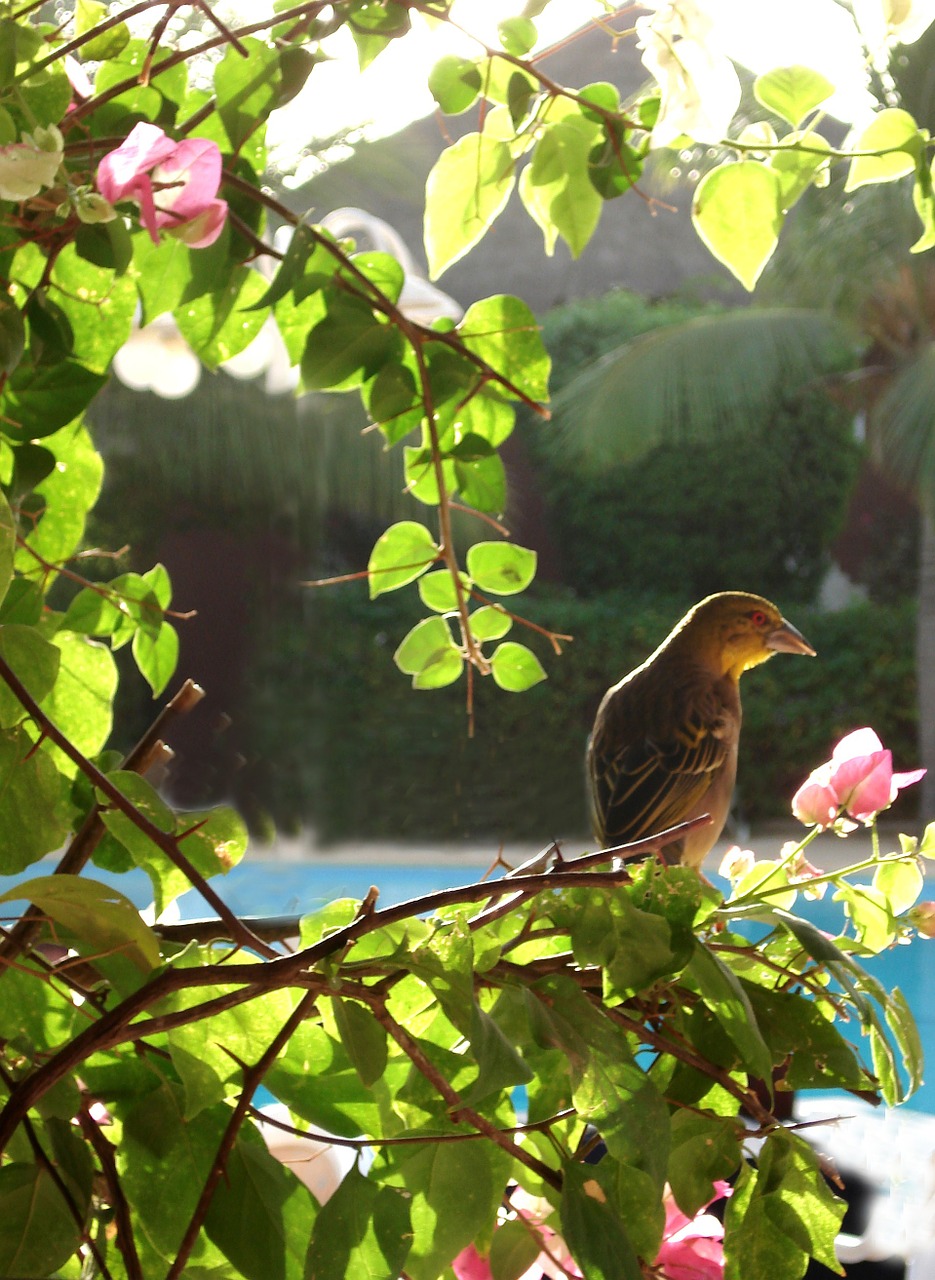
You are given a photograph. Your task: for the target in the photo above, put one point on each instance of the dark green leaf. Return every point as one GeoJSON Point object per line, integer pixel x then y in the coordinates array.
{"type": "Point", "coordinates": [364, 1230]}
{"type": "Point", "coordinates": [37, 1231]}
{"type": "Point", "coordinates": [33, 814]}
{"type": "Point", "coordinates": [33, 660]}
{"type": "Point", "coordinates": [363, 1038]}
{"type": "Point", "coordinates": [261, 1216]}
{"type": "Point", "coordinates": [347, 347]}
{"type": "Point", "coordinates": [724, 995]}
{"type": "Point", "coordinates": [246, 88]}
{"type": "Point", "coordinates": [38, 400]}
{"type": "Point", "coordinates": [592, 1230]}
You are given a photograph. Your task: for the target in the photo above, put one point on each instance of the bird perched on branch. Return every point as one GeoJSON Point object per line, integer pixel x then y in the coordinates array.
{"type": "Point", "coordinates": [664, 744]}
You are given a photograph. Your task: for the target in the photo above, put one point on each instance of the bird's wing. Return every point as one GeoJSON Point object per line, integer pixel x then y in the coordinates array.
{"type": "Point", "coordinates": [645, 785]}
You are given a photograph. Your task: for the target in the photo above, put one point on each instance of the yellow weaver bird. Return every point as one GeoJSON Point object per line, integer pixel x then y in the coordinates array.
{"type": "Point", "coordinates": [664, 744]}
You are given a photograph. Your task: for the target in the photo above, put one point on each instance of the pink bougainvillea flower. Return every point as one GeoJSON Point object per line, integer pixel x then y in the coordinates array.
{"type": "Point", "coordinates": [174, 183]}
{"type": "Point", "coordinates": [858, 781]}
{"type": "Point", "coordinates": [77, 78]}
{"type": "Point", "coordinates": [692, 1248]}
{"type": "Point", "coordinates": [554, 1261]}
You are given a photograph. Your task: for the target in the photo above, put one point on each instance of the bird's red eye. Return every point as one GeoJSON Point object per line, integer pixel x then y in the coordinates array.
{"type": "Point", "coordinates": [758, 617]}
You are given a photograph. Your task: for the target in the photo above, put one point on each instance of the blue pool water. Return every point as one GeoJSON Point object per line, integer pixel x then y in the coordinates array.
{"type": "Point", "coordinates": [287, 888]}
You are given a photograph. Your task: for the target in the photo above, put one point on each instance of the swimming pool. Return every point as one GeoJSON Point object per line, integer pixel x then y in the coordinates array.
{"type": "Point", "coordinates": [268, 888]}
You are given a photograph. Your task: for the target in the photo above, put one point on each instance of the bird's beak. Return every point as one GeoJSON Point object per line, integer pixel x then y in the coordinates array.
{"type": "Point", "coordinates": [786, 639]}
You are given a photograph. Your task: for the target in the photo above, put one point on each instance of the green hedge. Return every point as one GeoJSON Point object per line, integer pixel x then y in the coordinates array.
{"type": "Point", "coordinates": [345, 745]}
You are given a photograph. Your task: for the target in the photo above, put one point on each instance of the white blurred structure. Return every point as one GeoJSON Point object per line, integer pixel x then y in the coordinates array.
{"type": "Point", "coordinates": [894, 1152]}
{"type": "Point", "coordinates": [321, 1166]}
{"type": "Point", "coordinates": [157, 358]}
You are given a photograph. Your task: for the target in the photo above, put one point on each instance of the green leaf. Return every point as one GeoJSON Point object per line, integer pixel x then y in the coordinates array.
{"type": "Point", "coordinates": [901, 1022]}
{"type": "Point", "coordinates": [455, 1192]}
{"type": "Point", "coordinates": [500, 1066]}
{"type": "Point", "coordinates": [38, 1233]}
{"type": "Point", "coordinates": [81, 700]}
{"type": "Point", "coordinates": [33, 660]}
{"type": "Point", "coordinates": [347, 347]}
{"type": "Point", "coordinates": [437, 590]}
{"type": "Point", "coordinates": [490, 622]}
{"type": "Point", "coordinates": [364, 1230]}
{"type": "Point", "coordinates": [705, 1149]}
{"type": "Point", "coordinates": [399, 556]}
{"type": "Point", "coordinates": [781, 1215]}
{"type": "Point", "coordinates": [34, 818]}
{"type": "Point", "coordinates": [482, 483]}
{"type": "Point", "coordinates": [517, 35]}
{"type": "Point", "coordinates": [7, 546]}
{"type": "Point", "coordinates": [12, 335]}
{"type": "Point", "coordinates": [900, 883]}
{"type": "Point", "coordinates": [514, 1250]}
{"type": "Point", "coordinates": [792, 93]}
{"type": "Point", "coordinates": [363, 1038]}
{"type": "Point", "coordinates": [894, 133]}
{"type": "Point", "coordinates": [421, 476]}
{"type": "Point", "coordinates": [505, 334]}
{"type": "Point", "coordinates": [156, 656]}
{"type": "Point", "coordinates": [428, 652]}
{"type": "Point", "coordinates": [724, 995]}
{"type": "Point", "coordinates": [797, 1031]}
{"type": "Point", "coordinates": [556, 187]}
{"type": "Point", "coordinates": [261, 1216]}
{"type": "Point", "coordinates": [515, 668]}
{"type": "Point", "coordinates": [737, 212]}
{"type": "Point", "coordinates": [98, 916]}
{"type": "Point", "coordinates": [466, 190]}
{"type": "Point", "coordinates": [382, 270]}
{"type": "Point", "coordinates": [501, 567]}
{"type": "Point", "coordinates": [923, 197]}
{"type": "Point", "coordinates": [69, 492]}
{"type": "Point", "coordinates": [798, 169]}
{"type": "Point", "coordinates": [218, 326]}
{"type": "Point", "coordinates": [38, 400]}
{"type": "Point", "coordinates": [592, 1230]}
{"type": "Point", "coordinates": [163, 1161]}
{"type": "Point", "coordinates": [246, 88]}
{"type": "Point", "coordinates": [455, 84]}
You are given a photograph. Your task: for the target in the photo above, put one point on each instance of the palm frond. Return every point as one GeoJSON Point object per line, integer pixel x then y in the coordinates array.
{"type": "Point", "coordinates": [903, 424]}
{"type": "Point", "coordinates": [697, 381]}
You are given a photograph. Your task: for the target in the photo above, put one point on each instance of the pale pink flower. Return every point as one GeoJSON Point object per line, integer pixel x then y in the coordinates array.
{"type": "Point", "coordinates": [800, 869]}
{"type": "Point", "coordinates": [858, 780]}
{"type": "Point", "coordinates": [30, 164]}
{"type": "Point", "coordinates": [78, 77]}
{"type": "Point", "coordinates": [174, 183]}
{"type": "Point", "coordinates": [692, 1248]}
{"type": "Point", "coordinates": [736, 863]}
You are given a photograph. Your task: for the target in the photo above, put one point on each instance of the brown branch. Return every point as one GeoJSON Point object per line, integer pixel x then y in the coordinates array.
{"type": "Point", "coordinates": [163, 841]}
{"type": "Point", "coordinates": [404, 1139]}
{"type": "Point", "coordinates": [458, 1111]}
{"type": "Point", "coordinates": [104, 1150]}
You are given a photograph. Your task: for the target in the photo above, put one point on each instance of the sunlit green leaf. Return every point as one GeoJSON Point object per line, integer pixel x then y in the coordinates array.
{"type": "Point", "coordinates": [895, 136]}
{"type": "Point", "coordinates": [515, 667]}
{"type": "Point", "coordinates": [737, 212]}
{"type": "Point", "coordinates": [501, 567]}
{"type": "Point", "coordinates": [400, 555]}
{"type": "Point", "coordinates": [792, 92]}
{"type": "Point", "coordinates": [466, 190]}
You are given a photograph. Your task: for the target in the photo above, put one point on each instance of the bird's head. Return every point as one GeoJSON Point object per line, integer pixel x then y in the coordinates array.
{"type": "Point", "coordinates": [733, 631]}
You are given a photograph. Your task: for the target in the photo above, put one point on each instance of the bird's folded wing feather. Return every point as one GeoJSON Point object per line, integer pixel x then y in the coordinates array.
{"type": "Point", "coordinates": [649, 785]}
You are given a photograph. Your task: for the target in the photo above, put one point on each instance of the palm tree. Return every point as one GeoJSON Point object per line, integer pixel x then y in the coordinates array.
{"type": "Point", "coordinates": [845, 308]}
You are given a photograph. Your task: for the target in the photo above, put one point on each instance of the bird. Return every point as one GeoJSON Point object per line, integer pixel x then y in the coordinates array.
{"type": "Point", "coordinates": [663, 748]}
